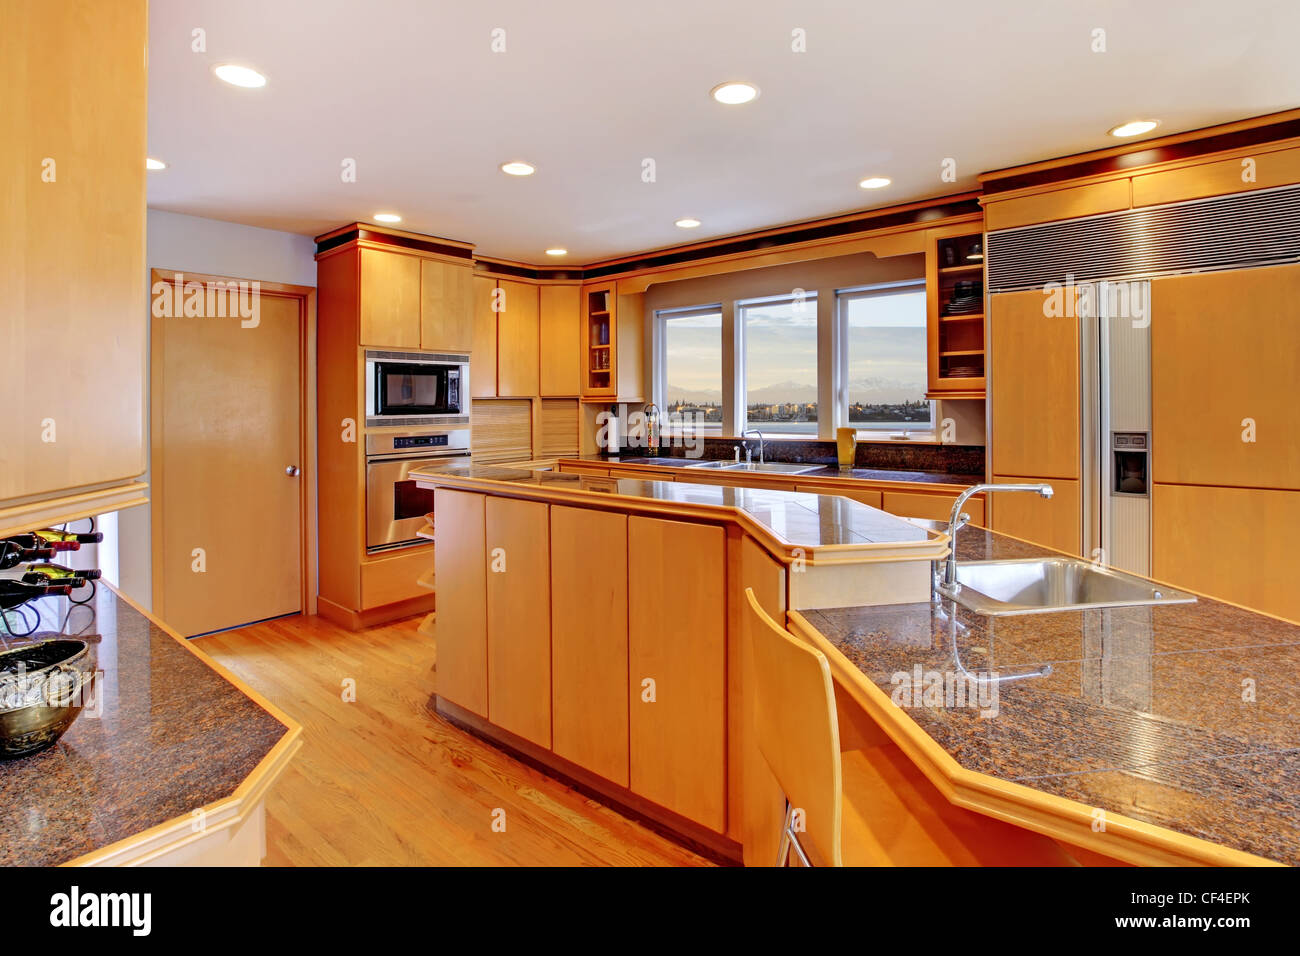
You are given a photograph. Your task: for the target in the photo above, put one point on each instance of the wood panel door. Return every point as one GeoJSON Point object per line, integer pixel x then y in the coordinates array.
{"type": "Point", "coordinates": [1225, 363]}
{"type": "Point", "coordinates": [227, 427]}
{"type": "Point", "coordinates": [460, 574]}
{"type": "Point", "coordinates": [1034, 387]}
{"type": "Point", "coordinates": [518, 618]}
{"type": "Point", "coordinates": [390, 300]}
{"type": "Point", "coordinates": [560, 334]}
{"type": "Point", "coordinates": [517, 340]}
{"type": "Point", "coordinates": [677, 667]}
{"type": "Point", "coordinates": [932, 507]}
{"type": "Point", "coordinates": [1055, 522]}
{"type": "Point", "coordinates": [589, 590]}
{"type": "Point", "coordinates": [483, 354]}
{"type": "Point", "coordinates": [74, 335]}
{"type": "Point", "coordinates": [446, 306]}
{"type": "Point", "coordinates": [1236, 544]}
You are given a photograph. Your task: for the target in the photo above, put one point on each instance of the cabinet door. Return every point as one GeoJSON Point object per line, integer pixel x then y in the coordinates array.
{"type": "Point", "coordinates": [1034, 387]}
{"type": "Point", "coordinates": [446, 306]}
{"type": "Point", "coordinates": [517, 340]}
{"type": "Point", "coordinates": [1225, 347]}
{"type": "Point", "coordinates": [519, 622]}
{"type": "Point", "coordinates": [483, 352]}
{"type": "Point", "coordinates": [461, 579]}
{"type": "Point", "coordinates": [1228, 543]}
{"type": "Point", "coordinates": [390, 299]}
{"type": "Point", "coordinates": [589, 585]}
{"type": "Point", "coordinates": [561, 348]}
{"type": "Point", "coordinates": [677, 639]}
{"type": "Point", "coordinates": [908, 504]}
{"type": "Point", "coordinates": [1054, 522]}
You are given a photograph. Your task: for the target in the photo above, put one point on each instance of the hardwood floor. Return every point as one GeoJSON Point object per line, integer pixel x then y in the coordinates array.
{"type": "Point", "coordinates": [384, 781]}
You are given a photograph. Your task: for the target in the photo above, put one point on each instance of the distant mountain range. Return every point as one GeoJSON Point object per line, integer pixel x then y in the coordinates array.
{"type": "Point", "coordinates": [871, 391]}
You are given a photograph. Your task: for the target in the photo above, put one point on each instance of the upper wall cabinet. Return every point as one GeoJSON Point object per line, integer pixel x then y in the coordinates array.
{"type": "Point", "coordinates": [517, 339]}
{"type": "Point", "coordinates": [613, 346]}
{"type": "Point", "coordinates": [415, 302]}
{"type": "Point", "coordinates": [72, 264]}
{"type": "Point", "coordinates": [954, 285]}
{"type": "Point", "coordinates": [483, 342]}
{"type": "Point", "coordinates": [561, 340]}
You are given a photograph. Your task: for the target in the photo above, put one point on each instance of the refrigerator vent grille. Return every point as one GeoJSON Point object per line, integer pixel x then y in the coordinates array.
{"type": "Point", "coordinates": [1226, 232]}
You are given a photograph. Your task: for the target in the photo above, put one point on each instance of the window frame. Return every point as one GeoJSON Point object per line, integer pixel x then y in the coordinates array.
{"type": "Point", "coordinates": [659, 386]}
{"type": "Point", "coordinates": [841, 361]}
{"type": "Point", "coordinates": [811, 298]}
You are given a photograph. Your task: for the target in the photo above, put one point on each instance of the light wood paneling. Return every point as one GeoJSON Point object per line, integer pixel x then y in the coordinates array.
{"type": "Point", "coordinates": [559, 427]}
{"type": "Point", "coordinates": [561, 332]}
{"type": "Point", "coordinates": [630, 363]}
{"type": "Point", "coordinates": [1054, 522]}
{"type": "Point", "coordinates": [1225, 349]}
{"type": "Point", "coordinates": [460, 560]}
{"type": "Point", "coordinates": [589, 640]}
{"type": "Point", "coordinates": [501, 430]}
{"type": "Point", "coordinates": [935, 507]}
{"type": "Point", "coordinates": [1068, 203]}
{"type": "Point", "coordinates": [1034, 387]}
{"type": "Point", "coordinates": [74, 333]}
{"type": "Point", "coordinates": [446, 306]}
{"type": "Point", "coordinates": [483, 357]}
{"type": "Point", "coordinates": [382, 781]}
{"type": "Point", "coordinates": [517, 340]}
{"type": "Point", "coordinates": [1237, 544]}
{"type": "Point", "coordinates": [518, 618]}
{"type": "Point", "coordinates": [390, 300]}
{"type": "Point", "coordinates": [392, 578]}
{"type": "Point", "coordinates": [868, 496]}
{"type": "Point", "coordinates": [1280, 167]}
{"type": "Point", "coordinates": [678, 741]}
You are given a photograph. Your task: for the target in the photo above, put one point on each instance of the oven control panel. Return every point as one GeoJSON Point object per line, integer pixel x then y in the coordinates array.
{"type": "Point", "coordinates": [421, 441]}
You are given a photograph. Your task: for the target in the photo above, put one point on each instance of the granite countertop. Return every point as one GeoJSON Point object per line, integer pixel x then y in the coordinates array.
{"type": "Point", "coordinates": [173, 736]}
{"type": "Point", "coordinates": [798, 518]}
{"type": "Point", "coordinates": [822, 471]}
{"type": "Point", "coordinates": [1148, 711]}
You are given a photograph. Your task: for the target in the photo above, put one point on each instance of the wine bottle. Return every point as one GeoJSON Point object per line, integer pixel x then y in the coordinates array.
{"type": "Point", "coordinates": [13, 554]}
{"type": "Point", "coordinates": [14, 593]}
{"type": "Point", "coordinates": [84, 537]}
{"type": "Point", "coordinates": [45, 573]}
{"type": "Point", "coordinates": [35, 539]}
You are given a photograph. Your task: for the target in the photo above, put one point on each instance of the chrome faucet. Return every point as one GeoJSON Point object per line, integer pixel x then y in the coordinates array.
{"type": "Point", "coordinates": [761, 444]}
{"type": "Point", "coordinates": [958, 520]}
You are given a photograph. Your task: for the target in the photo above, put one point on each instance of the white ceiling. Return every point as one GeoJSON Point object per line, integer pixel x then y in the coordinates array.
{"type": "Point", "coordinates": [587, 89]}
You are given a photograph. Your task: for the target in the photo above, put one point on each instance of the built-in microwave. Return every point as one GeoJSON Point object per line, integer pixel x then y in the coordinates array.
{"type": "Point", "coordinates": [417, 388]}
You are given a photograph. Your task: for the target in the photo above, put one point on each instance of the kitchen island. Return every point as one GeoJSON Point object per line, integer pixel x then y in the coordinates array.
{"type": "Point", "coordinates": [169, 764]}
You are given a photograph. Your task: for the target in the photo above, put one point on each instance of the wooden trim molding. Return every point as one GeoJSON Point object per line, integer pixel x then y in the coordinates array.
{"type": "Point", "coordinates": [47, 512]}
{"type": "Point", "coordinates": [395, 239]}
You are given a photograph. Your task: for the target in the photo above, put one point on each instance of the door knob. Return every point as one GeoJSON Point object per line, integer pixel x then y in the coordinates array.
{"type": "Point", "coordinates": [292, 471]}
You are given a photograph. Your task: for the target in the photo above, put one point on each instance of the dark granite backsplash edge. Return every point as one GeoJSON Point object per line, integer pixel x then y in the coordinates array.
{"type": "Point", "coordinates": [892, 456]}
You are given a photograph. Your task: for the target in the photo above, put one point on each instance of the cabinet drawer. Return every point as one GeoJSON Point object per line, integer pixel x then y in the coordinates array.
{"type": "Point", "coordinates": [394, 578]}
{"type": "Point", "coordinates": [907, 504]}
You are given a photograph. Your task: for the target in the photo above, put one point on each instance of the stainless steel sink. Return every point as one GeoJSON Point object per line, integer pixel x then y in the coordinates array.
{"type": "Point", "coordinates": [1039, 585]}
{"type": "Point", "coordinates": [770, 468]}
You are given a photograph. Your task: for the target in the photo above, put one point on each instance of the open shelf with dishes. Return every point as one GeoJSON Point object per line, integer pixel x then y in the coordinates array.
{"type": "Point", "coordinates": [955, 307]}
{"type": "Point", "coordinates": [599, 306]}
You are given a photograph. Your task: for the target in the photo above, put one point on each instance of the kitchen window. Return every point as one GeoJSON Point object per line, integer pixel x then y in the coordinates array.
{"type": "Point", "coordinates": [779, 336]}
{"type": "Point", "coordinates": [882, 361]}
{"type": "Point", "coordinates": [689, 367]}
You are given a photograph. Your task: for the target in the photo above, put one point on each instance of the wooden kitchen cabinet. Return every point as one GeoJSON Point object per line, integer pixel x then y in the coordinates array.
{"type": "Point", "coordinates": [1054, 522]}
{"type": "Point", "coordinates": [1070, 202]}
{"type": "Point", "coordinates": [954, 334]}
{"type": "Point", "coordinates": [1034, 388]}
{"type": "Point", "coordinates": [906, 504]}
{"type": "Point", "coordinates": [560, 340]}
{"type": "Point", "coordinates": [483, 354]}
{"type": "Point", "coordinates": [1225, 357]}
{"type": "Point", "coordinates": [446, 306]}
{"type": "Point", "coordinates": [589, 640]}
{"type": "Point", "coordinates": [868, 496]}
{"type": "Point", "coordinates": [677, 639]}
{"type": "Point", "coordinates": [517, 340]}
{"type": "Point", "coordinates": [461, 576]}
{"type": "Point", "coordinates": [390, 299]}
{"type": "Point", "coordinates": [613, 348]}
{"type": "Point", "coordinates": [73, 123]}
{"type": "Point", "coordinates": [518, 626]}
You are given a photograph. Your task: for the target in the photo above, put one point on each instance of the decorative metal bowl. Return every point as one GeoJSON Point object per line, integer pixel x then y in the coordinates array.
{"type": "Point", "coordinates": [43, 688]}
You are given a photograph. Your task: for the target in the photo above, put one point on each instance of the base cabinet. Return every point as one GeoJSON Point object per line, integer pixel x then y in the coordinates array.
{"type": "Point", "coordinates": [461, 629]}
{"type": "Point", "coordinates": [1054, 522]}
{"type": "Point", "coordinates": [677, 667]}
{"type": "Point", "coordinates": [589, 682]}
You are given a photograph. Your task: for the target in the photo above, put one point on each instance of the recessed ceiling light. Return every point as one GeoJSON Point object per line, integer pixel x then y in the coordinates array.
{"type": "Point", "coordinates": [557, 251]}
{"type": "Point", "coordinates": [240, 76]}
{"type": "Point", "coordinates": [687, 223]}
{"type": "Point", "coordinates": [518, 168]}
{"type": "Point", "coordinates": [874, 182]}
{"type": "Point", "coordinates": [151, 163]}
{"type": "Point", "coordinates": [387, 217]}
{"type": "Point", "coordinates": [733, 94]}
{"type": "Point", "coordinates": [1135, 128]}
